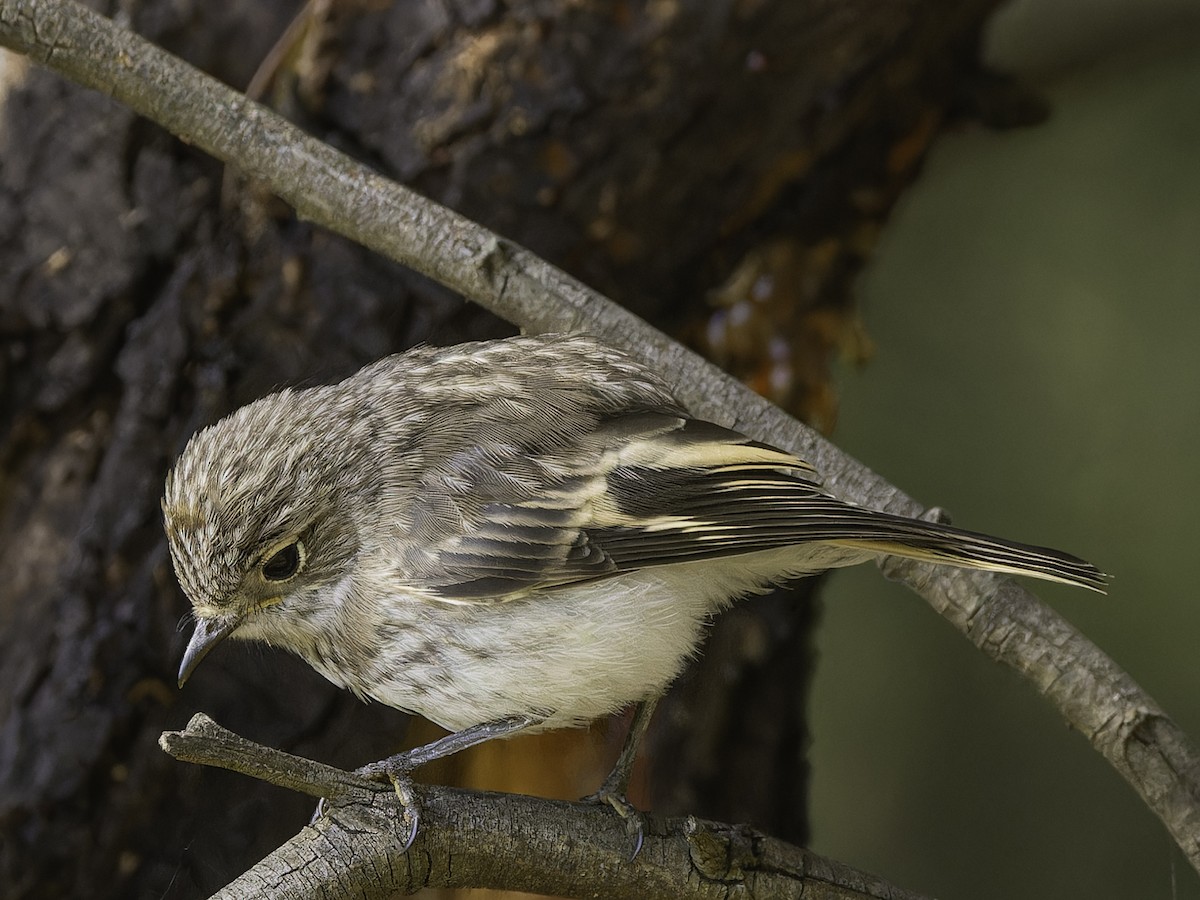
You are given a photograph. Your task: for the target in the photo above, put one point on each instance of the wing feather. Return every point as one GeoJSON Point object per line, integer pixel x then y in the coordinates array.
{"type": "Point", "coordinates": [656, 488]}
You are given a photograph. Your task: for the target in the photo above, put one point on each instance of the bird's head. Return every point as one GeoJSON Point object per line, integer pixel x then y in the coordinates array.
{"type": "Point", "coordinates": [260, 513]}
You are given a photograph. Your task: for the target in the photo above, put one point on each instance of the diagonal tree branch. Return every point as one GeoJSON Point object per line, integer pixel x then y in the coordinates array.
{"type": "Point", "coordinates": [1002, 618]}
{"type": "Point", "coordinates": [473, 839]}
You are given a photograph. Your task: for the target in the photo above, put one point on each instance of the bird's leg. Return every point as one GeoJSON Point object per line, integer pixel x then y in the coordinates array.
{"type": "Point", "coordinates": [396, 768]}
{"type": "Point", "coordinates": [617, 782]}
{"type": "Point", "coordinates": [404, 762]}
{"type": "Point", "coordinates": [616, 786]}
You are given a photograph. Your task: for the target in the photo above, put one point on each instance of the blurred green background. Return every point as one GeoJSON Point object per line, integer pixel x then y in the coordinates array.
{"type": "Point", "coordinates": [1036, 303]}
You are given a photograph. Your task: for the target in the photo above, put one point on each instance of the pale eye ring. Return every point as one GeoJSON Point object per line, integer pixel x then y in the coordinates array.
{"type": "Point", "coordinates": [284, 563]}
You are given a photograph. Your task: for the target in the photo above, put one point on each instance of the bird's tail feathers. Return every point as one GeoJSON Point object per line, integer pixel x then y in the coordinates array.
{"type": "Point", "coordinates": [937, 543]}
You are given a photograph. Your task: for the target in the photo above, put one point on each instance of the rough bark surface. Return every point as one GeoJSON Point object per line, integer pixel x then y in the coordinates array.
{"type": "Point", "coordinates": [647, 147]}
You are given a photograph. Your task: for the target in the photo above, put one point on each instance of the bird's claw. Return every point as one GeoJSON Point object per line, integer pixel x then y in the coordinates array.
{"type": "Point", "coordinates": [408, 803]}
{"type": "Point", "coordinates": [401, 784]}
{"type": "Point", "coordinates": [635, 822]}
{"type": "Point", "coordinates": [318, 812]}
{"type": "Point", "coordinates": [395, 771]}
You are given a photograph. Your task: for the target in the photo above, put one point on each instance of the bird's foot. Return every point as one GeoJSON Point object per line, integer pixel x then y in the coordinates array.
{"type": "Point", "coordinates": [615, 788]}
{"type": "Point", "coordinates": [410, 808]}
{"type": "Point", "coordinates": [396, 769]}
{"type": "Point", "coordinates": [394, 772]}
{"type": "Point", "coordinates": [635, 821]}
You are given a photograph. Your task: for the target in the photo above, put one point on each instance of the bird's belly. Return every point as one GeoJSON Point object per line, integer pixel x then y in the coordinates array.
{"type": "Point", "coordinates": [569, 656]}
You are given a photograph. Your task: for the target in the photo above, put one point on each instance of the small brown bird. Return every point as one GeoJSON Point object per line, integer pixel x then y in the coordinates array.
{"type": "Point", "coordinates": [518, 534]}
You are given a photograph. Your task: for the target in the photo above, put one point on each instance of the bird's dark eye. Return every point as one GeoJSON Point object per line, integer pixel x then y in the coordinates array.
{"type": "Point", "coordinates": [284, 562]}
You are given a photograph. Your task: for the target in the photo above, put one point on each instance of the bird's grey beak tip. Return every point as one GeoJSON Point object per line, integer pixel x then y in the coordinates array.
{"type": "Point", "coordinates": [208, 633]}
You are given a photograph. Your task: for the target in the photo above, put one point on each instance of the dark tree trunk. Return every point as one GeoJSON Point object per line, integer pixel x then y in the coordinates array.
{"type": "Point", "coordinates": [659, 151]}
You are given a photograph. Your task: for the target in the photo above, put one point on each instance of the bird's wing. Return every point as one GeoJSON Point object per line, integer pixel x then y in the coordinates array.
{"type": "Point", "coordinates": [641, 489]}
{"type": "Point", "coordinates": [546, 461]}
{"type": "Point", "coordinates": [652, 488]}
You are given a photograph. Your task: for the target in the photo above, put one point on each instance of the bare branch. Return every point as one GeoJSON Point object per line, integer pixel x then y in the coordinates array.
{"type": "Point", "coordinates": [1003, 619]}
{"type": "Point", "coordinates": [208, 744]}
{"type": "Point", "coordinates": [472, 839]}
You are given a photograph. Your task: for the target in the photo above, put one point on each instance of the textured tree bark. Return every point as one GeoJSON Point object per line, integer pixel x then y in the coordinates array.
{"type": "Point", "coordinates": [360, 845]}
{"type": "Point", "coordinates": [650, 148]}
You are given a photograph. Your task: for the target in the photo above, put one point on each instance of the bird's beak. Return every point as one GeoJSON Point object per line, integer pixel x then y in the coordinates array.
{"type": "Point", "coordinates": [208, 633]}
